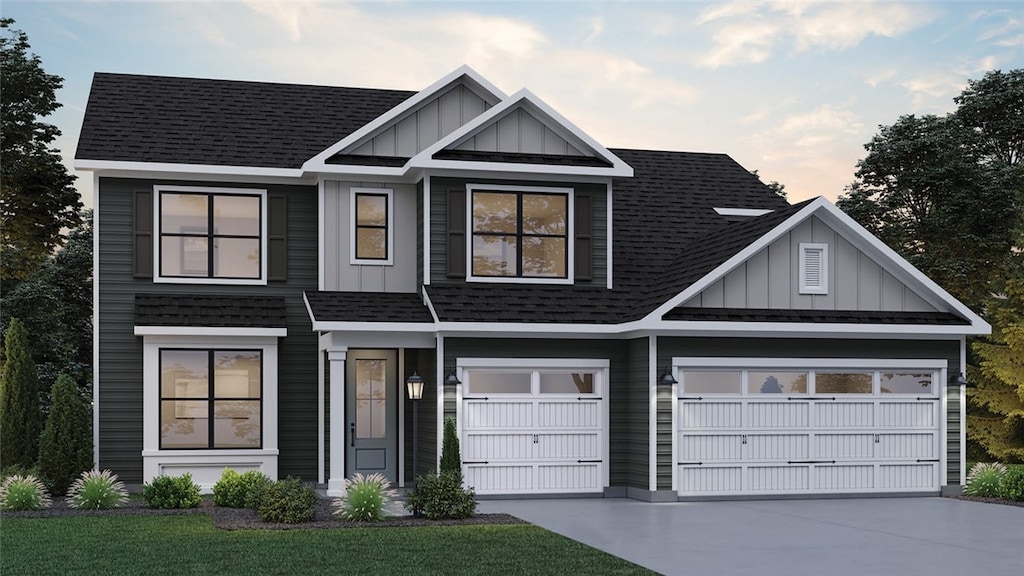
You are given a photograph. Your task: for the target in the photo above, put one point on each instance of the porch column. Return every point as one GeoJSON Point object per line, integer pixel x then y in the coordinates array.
{"type": "Point", "coordinates": [336, 482]}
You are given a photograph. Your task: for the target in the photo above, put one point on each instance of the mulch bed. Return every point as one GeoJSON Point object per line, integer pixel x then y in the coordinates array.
{"type": "Point", "coordinates": [242, 519]}
{"type": "Point", "coordinates": [988, 500]}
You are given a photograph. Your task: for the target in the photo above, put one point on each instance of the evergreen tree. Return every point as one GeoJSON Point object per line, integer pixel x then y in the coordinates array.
{"type": "Point", "coordinates": [996, 421]}
{"type": "Point", "coordinates": [451, 460]}
{"type": "Point", "coordinates": [65, 448]}
{"type": "Point", "coordinates": [19, 400]}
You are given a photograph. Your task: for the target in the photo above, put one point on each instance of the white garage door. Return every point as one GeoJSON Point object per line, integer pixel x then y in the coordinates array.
{"type": "Point", "coordinates": [533, 430]}
{"type": "Point", "coordinates": [793, 430]}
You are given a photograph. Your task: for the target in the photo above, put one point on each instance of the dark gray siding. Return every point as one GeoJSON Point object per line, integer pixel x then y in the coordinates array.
{"type": "Point", "coordinates": [948, 350]}
{"type": "Point", "coordinates": [438, 223]}
{"type": "Point", "coordinates": [120, 351]}
{"type": "Point", "coordinates": [627, 390]}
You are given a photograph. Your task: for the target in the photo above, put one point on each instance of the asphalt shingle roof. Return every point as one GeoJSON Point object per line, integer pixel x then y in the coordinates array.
{"type": "Point", "coordinates": [526, 303]}
{"type": "Point", "coordinates": [814, 316]}
{"type": "Point", "coordinates": [233, 311]}
{"type": "Point", "coordinates": [368, 307]}
{"type": "Point", "coordinates": [135, 118]}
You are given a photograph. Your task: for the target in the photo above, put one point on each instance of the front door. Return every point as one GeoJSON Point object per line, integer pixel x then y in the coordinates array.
{"type": "Point", "coordinates": [371, 412]}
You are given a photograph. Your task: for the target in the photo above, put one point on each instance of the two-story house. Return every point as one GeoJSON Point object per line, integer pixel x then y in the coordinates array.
{"type": "Point", "coordinates": [274, 261]}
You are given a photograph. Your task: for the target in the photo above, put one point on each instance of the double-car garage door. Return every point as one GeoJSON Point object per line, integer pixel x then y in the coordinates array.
{"type": "Point", "coordinates": [808, 429]}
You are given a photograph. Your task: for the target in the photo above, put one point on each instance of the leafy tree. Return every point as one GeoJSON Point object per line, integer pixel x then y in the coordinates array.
{"type": "Point", "coordinates": [55, 304]}
{"type": "Point", "coordinates": [994, 108]}
{"type": "Point", "coordinates": [774, 186]}
{"type": "Point", "coordinates": [65, 447]}
{"type": "Point", "coordinates": [996, 420]}
{"type": "Point", "coordinates": [926, 191]}
{"type": "Point", "coordinates": [451, 460]}
{"type": "Point", "coordinates": [19, 400]}
{"type": "Point", "coordinates": [37, 195]}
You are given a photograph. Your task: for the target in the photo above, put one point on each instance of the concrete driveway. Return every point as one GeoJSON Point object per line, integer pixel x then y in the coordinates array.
{"type": "Point", "coordinates": [857, 537]}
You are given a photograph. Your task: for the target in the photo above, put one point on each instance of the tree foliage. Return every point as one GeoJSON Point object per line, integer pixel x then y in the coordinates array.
{"type": "Point", "coordinates": [451, 460]}
{"type": "Point", "coordinates": [37, 195]}
{"type": "Point", "coordinates": [65, 447]}
{"type": "Point", "coordinates": [774, 185]}
{"type": "Point", "coordinates": [996, 420]}
{"type": "Point", "coordinates": [20, 421]}
{"type": "Point", "coordinates": [55, 304]}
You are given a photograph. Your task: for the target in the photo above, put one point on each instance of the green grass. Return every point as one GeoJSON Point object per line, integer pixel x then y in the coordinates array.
{"type": "Point", "coordinates": [184, 545]}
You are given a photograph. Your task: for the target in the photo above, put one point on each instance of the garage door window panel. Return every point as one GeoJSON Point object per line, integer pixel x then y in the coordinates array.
{"type": "Point", "coordinates": [500, 383]}
{"type": "Point", "coordinates": [777, 382]}
{"type": "Point", "coordinates": [906, 383]}
{"type": "Point", "coordinates": [712, 382]}
{"type": "Point", "coordinates": [566, 383]}
{"type": "Point", "coordinates": [842, 382]}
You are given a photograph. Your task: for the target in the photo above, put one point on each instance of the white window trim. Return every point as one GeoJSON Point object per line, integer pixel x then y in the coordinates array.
{"type": "Point", "coordinates": [390, 260]}
{"type": "Point", "coordinates": [156, 459]}
{"type": "Point", "coordinates": [805, 248]}
{"type": "Point", "coordinates": [157, 236]}
{"type": "Point", "coordinates": [570, 234]}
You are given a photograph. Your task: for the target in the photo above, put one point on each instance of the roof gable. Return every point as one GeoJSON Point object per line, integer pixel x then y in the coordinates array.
{"type": "Point", "coordinates": [416, 123]}
{"type": "Point", "coordinates": [522, 131]}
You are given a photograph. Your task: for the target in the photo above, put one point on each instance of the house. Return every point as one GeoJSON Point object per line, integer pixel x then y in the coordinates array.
{"type": "Point", "coordinates": [273, 261]}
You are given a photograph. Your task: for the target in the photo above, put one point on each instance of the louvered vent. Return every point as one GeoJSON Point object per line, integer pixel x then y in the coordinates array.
{"type": "Point", "coordinates": [813, 268]}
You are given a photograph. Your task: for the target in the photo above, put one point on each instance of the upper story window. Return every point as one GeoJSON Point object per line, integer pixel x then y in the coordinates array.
{"type": "Point", "coordinates": [520, 232]}
{"type": "Point", "coordinates": [372, 226]}
{"type": "Point", "coordinates": [211, 235]}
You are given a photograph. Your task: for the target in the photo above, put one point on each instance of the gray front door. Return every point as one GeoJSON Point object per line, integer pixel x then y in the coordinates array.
{"type": "Point", "coordinates": [371, 411]}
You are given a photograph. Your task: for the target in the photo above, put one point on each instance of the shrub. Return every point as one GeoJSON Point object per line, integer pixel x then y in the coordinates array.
{"type": "Point", "coordinates": [20, 417]}
{"type": "Point", "coordinates": [440, 496]}
{"type": "Point", "coordinates": [985, 480]}
{"type": "Point", "coordinates": [1013, 484]}
{"type": "Point", "coordinates": [451, 460]}
{"type": "Point", "coordinates": [235, 490]}
{"type": "Point", "coordinates": [172, 492]}
{"type": "Point", "coordinates": [65, 448]}
{"type": "Point", "coordinates": [367, 499]}
{"type": "Point", "coordinates": [288, 501]}
{"type": "Point", "coordinates": [95, 490]}
{"type": "Point", "coordinates": [19, 493]}
{"type": "Point", "coordinates": [18, 470]}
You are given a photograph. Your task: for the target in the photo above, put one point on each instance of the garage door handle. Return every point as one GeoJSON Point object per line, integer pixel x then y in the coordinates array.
{"type": "Point", "coordinates": [931, 460]}
{"type": "Point", "coordinates": [477, 462]}
{"type": "Point", "coordinates": [589, 461]}
{"type": "Point", "coordinates": [810, 462]}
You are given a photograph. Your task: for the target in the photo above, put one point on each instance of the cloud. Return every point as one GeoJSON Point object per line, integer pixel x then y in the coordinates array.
{"type": "Point", "coordinates": [933, 92]}
{"type": "Point", "coordinates": [749, 33]}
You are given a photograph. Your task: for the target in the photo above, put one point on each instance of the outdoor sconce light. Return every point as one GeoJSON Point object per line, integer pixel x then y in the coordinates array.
{"type": "Point", "coordinates": [414, 384]}
{"type": "Point", "coordinates": [451, 379]}
{"type": "Point", "coordinates": [667, 379]}
{"type": "Point", "coordinates": [959, 379]}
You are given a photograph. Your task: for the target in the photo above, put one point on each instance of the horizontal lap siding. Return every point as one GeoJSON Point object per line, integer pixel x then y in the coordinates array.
{"type": "Point", "coordinates": [948, 350]}
{"type": "Point", "coordinates": [120, 351]}
{"type": "Point", "coordinates": [626, 395]}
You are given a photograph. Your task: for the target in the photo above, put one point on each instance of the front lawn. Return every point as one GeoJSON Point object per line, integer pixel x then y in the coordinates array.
{"type": "Point", "coordinates": [184, 545]}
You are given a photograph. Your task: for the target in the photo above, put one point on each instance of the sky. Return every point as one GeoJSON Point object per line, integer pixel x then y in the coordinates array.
{"type": "Point", "coordinates": [791, 89]}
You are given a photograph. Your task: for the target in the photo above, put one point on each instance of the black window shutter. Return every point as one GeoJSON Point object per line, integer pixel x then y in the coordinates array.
{"type": "Point", "coordinates": [142, 234]}
{"type": "Point", "coordinates": [584, 238]}
{"type": "Point", "coordinates": [457, 233]}
{"type": "Point", "coordinates": [277, 241]}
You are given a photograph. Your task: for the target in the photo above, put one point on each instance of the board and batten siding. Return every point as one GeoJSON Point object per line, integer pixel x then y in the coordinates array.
{"type": "Point", "coordinates": [120, 351]}
{"type": "Point", "coordinates": [428, 123]}
{"type": "Point", "coordinates": [626, 395]}
{"type": "Point", "coordinates": [518, 131]}
{"type": "Point", "coordinates": [339, 273]}
{"type": "Point", "coordinates": [948, 350]}
{"type": "Point", "coordinates": [770, 279]}
{"type": "Point", "coordinates": [439, 187]}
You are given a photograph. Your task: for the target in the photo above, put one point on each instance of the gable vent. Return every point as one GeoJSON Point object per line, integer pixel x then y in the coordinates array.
{"type": "Point", "coordinates": [813, 268]}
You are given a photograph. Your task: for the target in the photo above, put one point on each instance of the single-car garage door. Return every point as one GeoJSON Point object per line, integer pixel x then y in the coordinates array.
{"type": "Point", "coordinates": [798, 428]}
{"type": "Point", "coordinates": [534, 429]}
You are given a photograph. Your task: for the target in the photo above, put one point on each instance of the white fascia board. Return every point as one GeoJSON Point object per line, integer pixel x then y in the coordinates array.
{"type": "Point", "coordinates": [737, 259]}
{"type": "Point", "coordinates": [318, 162]}
{"type": "Point", "coordinates": [762, 362]}
{"type": "Point", "coordinates": [429, 304]}
{"type": "Point", "coordinates": [222, 331]}
{"type": "Point", "coordinates": [792, 329]}
{"type": "Point", "coordinates": [152, 169]}
{"type": "Point", "coordinates": [453, 328]}
{"type": "Point", "coordinates": [354, 170]}
{"type": "Point", "coordinates": [515, 167]}
{"type": "Point", "coordinates": [907, 273]}
{"type": "Point", "coordinates": [526, 99]}
{"type": "Point", "coordinates": [340, 326]}
{"type": "Point", "coordinates": [749, 212]}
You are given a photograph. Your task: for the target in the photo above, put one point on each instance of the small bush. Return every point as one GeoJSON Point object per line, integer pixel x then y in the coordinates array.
{"type": "Point", "coordinates": [18, 493]}
{"type": "Point", "coordinates": [440, 496]}
{"type": "Point", "coordinates": [985, 480]}
{"type": "Point", "coordinates": [367, 499]}
{"type": "Point", "coordinates": [235, 490]}
{"type": "Point", "coordinates": [288, 501]}
{"type": "Point", "coordinates": [18, 470]}
{"type": "Point", "coordinates": [172, 492]}
{"type": "Point", "coordinates": [1013, 484]}
{"type": "Point", "coordinates": [65, 447]}
{"type": "Point", "coordinates": [95, 490]}
{"type": "Point", "coordinates": [451, 460]}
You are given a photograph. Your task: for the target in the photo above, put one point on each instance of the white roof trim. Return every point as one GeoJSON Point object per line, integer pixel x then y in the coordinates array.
{"type": "Point", "coordinates": [819, 328]}
{"type": "Point", "coordinates": [319, 162]}
{"type": "Point", "coordinates": [331, 326]}
{"type": "Point", "coordinates": [861, 238]}
{"type": "Point", "coordinates": [429, 304]}
{"type": "Point", "coordinates": [199, 169]}
{"type": "Point", "coordinates": [519, 99]}
{"type": "Point", "coordinates": [223, 331]}
{"type": "Point", "coordinates": [741, 212]}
